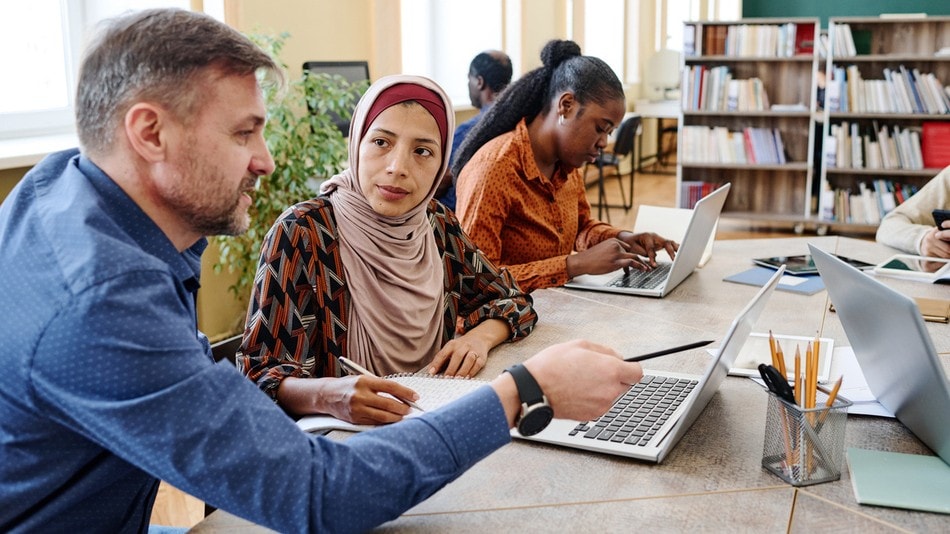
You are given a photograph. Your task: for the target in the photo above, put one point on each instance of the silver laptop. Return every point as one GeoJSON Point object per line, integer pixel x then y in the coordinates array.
{"type": "Point", "coordinates": [667, 275]}
{"type": "Point", "coordinates": [893, 348]}
{"type": "Point", "coordinates": [649, 419]}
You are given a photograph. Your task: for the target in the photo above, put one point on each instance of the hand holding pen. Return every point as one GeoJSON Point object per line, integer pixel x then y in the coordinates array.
{"type": "Point", "coordinates": [356, 369]}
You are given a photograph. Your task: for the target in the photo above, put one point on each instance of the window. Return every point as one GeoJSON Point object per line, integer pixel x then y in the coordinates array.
{"type": "Point", "coordinates": [36, 44]}
{"type": "Point", "coordinates": [435, 44]}
{"type": "Point", "coordinates": [42, 46]}
{"type": "Point", "coordinates": [604, 33]}
{"type": "Point", "coordinates": [679, 11]}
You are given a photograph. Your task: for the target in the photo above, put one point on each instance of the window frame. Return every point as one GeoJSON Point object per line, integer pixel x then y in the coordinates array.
{"type": "Point", "coordinates": [54, 121]}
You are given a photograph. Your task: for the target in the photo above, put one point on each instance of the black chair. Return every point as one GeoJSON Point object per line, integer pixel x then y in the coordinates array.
{"type": "Point", "coordinates": [662, 154]}
{"type": "Point", "coordinates": [623, 146]}
{"type": "Point", "coordinates": [226, 349]}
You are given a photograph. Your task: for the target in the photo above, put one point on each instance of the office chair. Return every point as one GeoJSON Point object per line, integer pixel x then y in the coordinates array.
{"type": "Point", "coordinates": [226, 349]}
{"type": "Point", "coordinates": [623, 146]}
{"type": "Point", "coordinates": [666, 132]}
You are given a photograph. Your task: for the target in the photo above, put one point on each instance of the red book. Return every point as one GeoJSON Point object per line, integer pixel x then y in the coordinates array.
{"type": "Point", "coordinates": [805, 39]}
{"type": "Point", "coordinates": [935, 144]}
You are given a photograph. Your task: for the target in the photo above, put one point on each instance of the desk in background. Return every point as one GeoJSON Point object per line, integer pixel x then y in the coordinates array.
{"type": "Point", "coordinates": [657, 111]}
{"type": "Point", "coordinates": [713, 479]}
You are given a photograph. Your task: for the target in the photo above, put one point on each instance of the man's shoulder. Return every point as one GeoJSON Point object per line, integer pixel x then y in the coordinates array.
{"type": "Point", "coordinates": [461, 130]}
{"type": "Point", "coordinates": [59, 227]}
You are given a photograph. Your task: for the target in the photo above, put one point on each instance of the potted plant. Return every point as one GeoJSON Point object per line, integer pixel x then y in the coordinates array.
{"type": "Point", "coordinates": [307, 148]}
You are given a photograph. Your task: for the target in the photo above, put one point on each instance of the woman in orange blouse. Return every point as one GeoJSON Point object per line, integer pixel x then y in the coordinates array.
{"type": "Point", "coordinates": [377, 271]}
{"type": "Point", "coordinates": [521, 195]}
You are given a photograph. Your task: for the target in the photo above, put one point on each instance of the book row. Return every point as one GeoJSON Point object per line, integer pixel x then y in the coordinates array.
{"type": "Point", "coordinates": [866, 203]}
{"type": "Point", "coordinates": [691, 191]}
{"type": "Point", "coordinates": [715, 89]}
{"type": "Point", "coordinates": [843, 40]}
{"type": "Point", "coordinates": [749, 40]}
{"type": "Point", "coordinates": [716, 144]}
{"type": "Point", "coordinates": [850, 145]}
{"type": "Point", "coordinates": [902, 90]}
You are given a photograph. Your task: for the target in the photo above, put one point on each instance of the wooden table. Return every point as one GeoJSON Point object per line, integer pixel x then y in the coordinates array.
{"type": "Point", "coordinates": [713, 480]}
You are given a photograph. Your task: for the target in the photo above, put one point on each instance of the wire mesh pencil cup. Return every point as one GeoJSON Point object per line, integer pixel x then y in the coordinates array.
{"type": "Point", "coordinates": [805, 446]}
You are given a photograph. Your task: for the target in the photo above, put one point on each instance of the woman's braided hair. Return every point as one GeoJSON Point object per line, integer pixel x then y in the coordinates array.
{"type": "Point", "coordinates": [563, 69]}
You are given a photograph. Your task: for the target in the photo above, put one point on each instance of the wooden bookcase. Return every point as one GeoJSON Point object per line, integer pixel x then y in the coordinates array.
{"type": "Point", "coordinates": [882, 47]}
{"type": "Point", "coordinates": [769, 189]}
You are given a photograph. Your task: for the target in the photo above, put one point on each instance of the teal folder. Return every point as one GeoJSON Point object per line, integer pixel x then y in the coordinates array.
{"type": "Point", "coordinates": [898, 480]}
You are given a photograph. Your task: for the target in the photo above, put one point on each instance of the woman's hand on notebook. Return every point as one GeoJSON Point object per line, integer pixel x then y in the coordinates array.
{"type": "Point", "coordinates": [466, 355]}
{"type": "Point", "coordinates": [358, 399]}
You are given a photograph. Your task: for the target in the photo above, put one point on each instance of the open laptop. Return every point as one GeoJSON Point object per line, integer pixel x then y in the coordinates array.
{"type": "Point", "coordinates": [667, 275]}
{"type": "Point", "coordinates": [648, 428]}
{"type": "Point", "coordinates": [893, 348]}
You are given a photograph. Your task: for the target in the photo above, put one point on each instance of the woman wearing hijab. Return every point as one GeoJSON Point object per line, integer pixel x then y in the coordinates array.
{"type": "Point", "coordinates": [377, 271]}
{"type": "Point", "coordinates": [520, 191]}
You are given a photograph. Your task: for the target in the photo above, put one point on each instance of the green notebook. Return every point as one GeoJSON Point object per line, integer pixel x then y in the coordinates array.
{"type": "Point", "coordinates": [899, 480]}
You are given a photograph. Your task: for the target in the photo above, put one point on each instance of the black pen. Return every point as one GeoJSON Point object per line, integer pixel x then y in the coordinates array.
{"type": "Point", "coordinates": [670, 350]}
{"type": "Point", "coordinates": [357, 369]}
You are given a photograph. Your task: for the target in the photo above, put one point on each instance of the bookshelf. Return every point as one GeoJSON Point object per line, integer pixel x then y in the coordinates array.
{"type": "Point", "coordinates": [747, 116]}
{"type": "Point", "coordinates": [887, 115]}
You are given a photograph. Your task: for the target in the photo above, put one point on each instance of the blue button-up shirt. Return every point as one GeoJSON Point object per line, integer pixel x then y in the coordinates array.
{"type": "Point", "coordinates": [108, 387]}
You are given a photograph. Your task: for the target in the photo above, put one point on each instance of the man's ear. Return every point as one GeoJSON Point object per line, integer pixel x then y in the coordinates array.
{"type": "Point", "coordinates": [481, 82]}
{"type": "Point", "coordinates": [144, 128]}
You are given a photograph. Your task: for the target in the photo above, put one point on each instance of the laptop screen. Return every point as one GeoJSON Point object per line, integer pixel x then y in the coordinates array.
{"type": "Point", "coordinates": [893, 348]}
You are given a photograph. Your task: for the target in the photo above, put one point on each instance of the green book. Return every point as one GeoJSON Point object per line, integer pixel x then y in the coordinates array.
{"type": "Point", "coordinates": [898, 480]}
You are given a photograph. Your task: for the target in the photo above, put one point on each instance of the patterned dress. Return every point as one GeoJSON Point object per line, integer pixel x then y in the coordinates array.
{"type": "Point", "coordinates": [297, 318]}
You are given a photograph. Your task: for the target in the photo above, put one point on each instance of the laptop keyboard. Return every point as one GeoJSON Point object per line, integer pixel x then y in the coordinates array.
{"type": "Point", "coordinates": [635, 418]}
{"type": "Point", "coordinates": [643, 279]}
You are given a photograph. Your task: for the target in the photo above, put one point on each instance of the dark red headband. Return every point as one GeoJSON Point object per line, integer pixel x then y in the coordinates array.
{"type": "Point", "coordinates": [404, 92]}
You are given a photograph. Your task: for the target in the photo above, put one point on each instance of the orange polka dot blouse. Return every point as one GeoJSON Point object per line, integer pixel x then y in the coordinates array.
{"type": "Point", "coordinates": [523, 220]}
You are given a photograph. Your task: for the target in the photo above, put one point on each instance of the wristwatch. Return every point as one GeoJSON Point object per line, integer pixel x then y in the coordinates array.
{"type": "Point", "coordinates": [536, 413]}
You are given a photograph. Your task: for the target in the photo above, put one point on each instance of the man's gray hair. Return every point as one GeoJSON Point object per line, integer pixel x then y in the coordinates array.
{"type": "Point", "coordinates": [157, 55]}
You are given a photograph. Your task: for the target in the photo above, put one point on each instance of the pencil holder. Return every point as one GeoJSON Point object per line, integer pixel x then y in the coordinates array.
{"type": "Point", "coordinates": [805, 446]}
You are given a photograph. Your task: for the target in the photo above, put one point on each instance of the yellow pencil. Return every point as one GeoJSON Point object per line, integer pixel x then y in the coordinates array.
{"type": "Point", "coordinates": [813, 364]}
{"type": "Point", "coordinates": [780, 356]}
{"type": "Point", "coordinates": [830, 402]}
{"type": "Point", "coordinates": [798, 376]}
{"type": "Point", "coordinates": [772, 350]}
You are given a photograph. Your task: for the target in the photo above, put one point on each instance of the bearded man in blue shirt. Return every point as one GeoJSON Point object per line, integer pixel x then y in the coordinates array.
{"type": "Point", "coordinates": [109, 387]}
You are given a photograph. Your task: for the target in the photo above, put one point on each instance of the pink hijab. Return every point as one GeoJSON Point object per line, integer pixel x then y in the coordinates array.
{"type": "Point", "coordinates": [392, 265]}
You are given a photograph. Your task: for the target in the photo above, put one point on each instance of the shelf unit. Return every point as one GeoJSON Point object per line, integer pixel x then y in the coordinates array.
{"type": "Point", "coordinates": [775, 191]}
{"type": "Point", "coordinates": [882, 47]}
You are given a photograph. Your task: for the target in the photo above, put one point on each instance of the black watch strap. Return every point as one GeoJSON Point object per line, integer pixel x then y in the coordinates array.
{"type": "Point", "coordinates": [528, 389]}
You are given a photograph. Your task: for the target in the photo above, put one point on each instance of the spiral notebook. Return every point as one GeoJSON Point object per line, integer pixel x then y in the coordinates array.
{"type": "Point", "coordinates": [434, 392]}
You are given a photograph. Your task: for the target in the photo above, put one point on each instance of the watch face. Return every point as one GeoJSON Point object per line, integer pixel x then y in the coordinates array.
{"type": "Point", "coordinates": [535, 419]}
